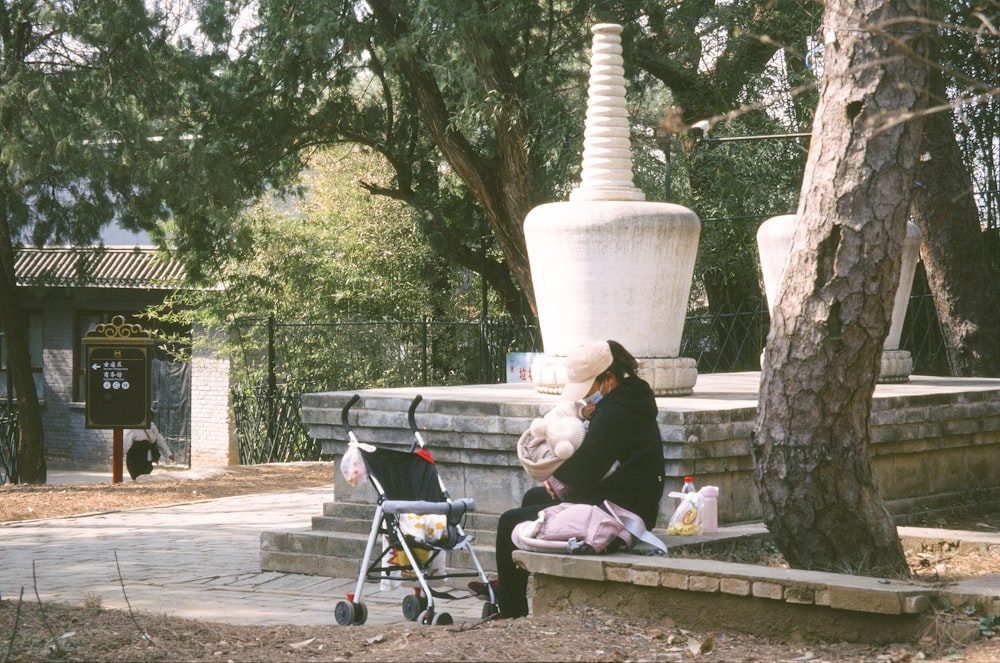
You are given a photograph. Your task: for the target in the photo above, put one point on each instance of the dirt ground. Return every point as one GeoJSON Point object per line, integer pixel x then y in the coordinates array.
{"type": "Point", "coordinates": [30, 631]}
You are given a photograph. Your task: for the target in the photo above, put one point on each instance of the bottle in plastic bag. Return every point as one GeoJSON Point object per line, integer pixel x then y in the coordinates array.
{"type": "Point", "coordinates": [688, 486]}
{"type": "Point", "coordinates": [687, 518]}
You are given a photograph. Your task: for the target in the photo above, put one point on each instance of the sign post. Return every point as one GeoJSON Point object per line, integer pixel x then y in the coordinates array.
{"type": "Point", "coordinates": [119, 356]}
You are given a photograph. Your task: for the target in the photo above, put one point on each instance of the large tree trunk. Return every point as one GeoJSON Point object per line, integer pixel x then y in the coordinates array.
{"type": "Point", "coordinates": [811, 463]}
{"type": "Point", "coordinates": [953, 250]}
{"type": "Point", "coordinates": [14, 322]}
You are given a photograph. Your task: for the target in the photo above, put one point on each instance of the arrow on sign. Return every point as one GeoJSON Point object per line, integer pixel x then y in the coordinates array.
{"type": "Point", "coordinates": [94, 367]}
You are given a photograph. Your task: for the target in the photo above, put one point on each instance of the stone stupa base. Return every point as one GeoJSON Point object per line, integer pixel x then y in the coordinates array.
{"type": "Point", "coordinates": [668, 376]}
{"type": "Point", "coordinates": [896, 366]}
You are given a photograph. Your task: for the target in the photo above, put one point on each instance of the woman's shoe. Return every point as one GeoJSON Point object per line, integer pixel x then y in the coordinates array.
{"type": "Point", "coordinates": [482, 591]}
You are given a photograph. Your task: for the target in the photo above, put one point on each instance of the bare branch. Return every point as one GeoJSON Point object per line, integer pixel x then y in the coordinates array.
{"type": "Point", "coordinates": [127, 602]}
{"type": "Point", "coordinates": [41, 610]}
{"type": "Point", "coordinates": [13, 631]}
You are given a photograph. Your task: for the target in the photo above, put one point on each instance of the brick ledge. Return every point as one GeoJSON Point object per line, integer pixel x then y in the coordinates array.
{"type": "Point", "coordinates": [833, 590]}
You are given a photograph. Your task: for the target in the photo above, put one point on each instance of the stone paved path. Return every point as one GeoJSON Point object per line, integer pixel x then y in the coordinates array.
{"type": "Point", "coordinates": [197, 560]}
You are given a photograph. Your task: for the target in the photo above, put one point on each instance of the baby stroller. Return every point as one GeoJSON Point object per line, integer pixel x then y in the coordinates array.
{"type": "Point", "coordinates": [408, 486]}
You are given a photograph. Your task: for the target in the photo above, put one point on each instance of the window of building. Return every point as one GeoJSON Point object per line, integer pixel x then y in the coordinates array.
{"type": "Point", "coordinates": [35, 342]}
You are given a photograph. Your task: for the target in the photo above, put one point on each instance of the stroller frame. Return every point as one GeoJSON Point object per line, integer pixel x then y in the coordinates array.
{"type": "Point", "coordinates": [433, 500]}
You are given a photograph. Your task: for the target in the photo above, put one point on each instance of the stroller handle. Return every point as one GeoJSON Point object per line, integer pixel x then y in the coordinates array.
{"type": "Point", "coordinates": [343, 413]}
{"type": "Point", "coordinates": [411, 415]}
{"type": "Point", "coordinates": [418, 439]}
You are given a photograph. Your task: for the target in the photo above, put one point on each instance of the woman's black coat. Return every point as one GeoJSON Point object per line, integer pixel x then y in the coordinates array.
{"type": "Point", "coordinates": [622, 430]}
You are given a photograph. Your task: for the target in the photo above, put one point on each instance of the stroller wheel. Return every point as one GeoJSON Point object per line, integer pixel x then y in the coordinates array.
{"type": "Point", "coordinates": [344, 613]}
{"type": "Point", "coordinates": [413, 605]}
{"type": "Point", "coordinates": [442, 619]}
{"type": "Point", "coordinates": [490, 609]}
{"type": "Point", "coordinates": [347, 614]}
{"type": "Point", "coordinates": [425, 618]}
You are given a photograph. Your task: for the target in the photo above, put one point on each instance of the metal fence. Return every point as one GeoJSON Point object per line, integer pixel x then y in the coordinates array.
{"type": "Point", "coordinates": [360, 355]}
{"type": "Point", "coordinates": [303, 357]}
{"type": "Point", "coordinates": [9, 435]}
{"type": "Point", "coordinates": [269, 426]}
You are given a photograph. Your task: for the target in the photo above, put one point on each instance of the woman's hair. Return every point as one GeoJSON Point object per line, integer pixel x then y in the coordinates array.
{"type": "Point", "coordinates": [623, 364]}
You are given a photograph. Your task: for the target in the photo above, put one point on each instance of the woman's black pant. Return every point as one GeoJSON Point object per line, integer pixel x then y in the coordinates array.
{"type": "Point", "coordinates": [512, 591]}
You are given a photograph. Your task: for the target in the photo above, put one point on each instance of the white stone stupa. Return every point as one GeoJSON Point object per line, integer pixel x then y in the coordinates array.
{"type": "Point", "coordinates": [774, 245]}
{"type": "Point", "coordinates": [607, 264]}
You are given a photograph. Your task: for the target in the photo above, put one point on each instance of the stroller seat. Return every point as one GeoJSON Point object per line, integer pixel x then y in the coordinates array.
{"type": "Point", "coordinates": [418, 523]}
{"type": "Point", "coordinates": [443, 531]}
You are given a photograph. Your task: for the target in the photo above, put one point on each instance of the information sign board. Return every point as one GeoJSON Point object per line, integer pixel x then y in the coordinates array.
{"type": "Point", "coordinates": [118, 379]}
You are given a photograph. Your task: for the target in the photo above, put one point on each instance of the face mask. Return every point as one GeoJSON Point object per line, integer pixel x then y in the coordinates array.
{"type": "Point", "coordinates": [594, 398]}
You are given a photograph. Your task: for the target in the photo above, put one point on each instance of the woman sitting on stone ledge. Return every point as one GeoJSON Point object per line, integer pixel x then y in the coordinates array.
{"type": "Point", "coordinates": [620, 459]}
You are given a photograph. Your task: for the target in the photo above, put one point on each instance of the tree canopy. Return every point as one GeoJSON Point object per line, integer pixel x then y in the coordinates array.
{"type": "Point", "coordinates": [478, 106]}
{"type": "Point", "coordinates": [327, 254]}
{"type": "Point", "coordinates": [85, 89]}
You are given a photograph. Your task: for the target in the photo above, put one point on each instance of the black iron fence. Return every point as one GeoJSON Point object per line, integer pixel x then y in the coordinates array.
{"type": "Point", "coordinates": [304, 357]}
{"type": "Point", "coordinates": [9, 435]}
{"type": "Point", "coordinates": [269, 426]}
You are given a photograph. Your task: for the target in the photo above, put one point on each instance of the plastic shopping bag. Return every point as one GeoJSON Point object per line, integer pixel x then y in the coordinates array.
{"type": "Point", "coordinates": [688, 518]}
{"type": "Point", "coordinates": [353, 467]}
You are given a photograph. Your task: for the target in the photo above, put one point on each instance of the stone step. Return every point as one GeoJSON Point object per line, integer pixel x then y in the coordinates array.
{"type": "Point", "coordinates": [339, 554]}
{"type": "Point", "coordinates": [348, 510]}
{"type": "Point", "coordinates": [339, 524]}
{"type": "Point", "coordinates": [357, 518]}
{"type": "Point", "coordinates": [483, 537]}
{"type": "Point", "coordinates": [336, 543]}
{"type": "Point", "coordinates": [473, 519]}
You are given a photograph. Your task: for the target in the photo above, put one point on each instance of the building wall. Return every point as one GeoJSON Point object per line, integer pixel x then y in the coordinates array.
{"type": "Point", "coordinates": [63, 423]}
{"type": "Point", "coordinates": [213, 437]}
{"type": "Point", "coordinates": [68, 443]}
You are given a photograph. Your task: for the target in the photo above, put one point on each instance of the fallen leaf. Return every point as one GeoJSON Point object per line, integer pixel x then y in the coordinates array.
{"type": "Point", "coordinates": [304, 643]}
{"type": "Point", "coordinates": [377, 639]}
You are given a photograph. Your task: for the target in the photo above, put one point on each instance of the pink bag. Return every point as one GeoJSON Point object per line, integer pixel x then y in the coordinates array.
{"type": "Point", "coordinates": [565, 527]}
{"type": "Point", "coordinates": [585, 529]}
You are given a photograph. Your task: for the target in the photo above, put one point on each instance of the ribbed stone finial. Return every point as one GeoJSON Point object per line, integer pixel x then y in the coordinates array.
{"type": "Point", "coordinates": [607, 157]}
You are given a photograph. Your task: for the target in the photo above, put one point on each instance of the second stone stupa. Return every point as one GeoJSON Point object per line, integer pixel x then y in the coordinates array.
{"type": "Point", "coordinates": [607, 264]}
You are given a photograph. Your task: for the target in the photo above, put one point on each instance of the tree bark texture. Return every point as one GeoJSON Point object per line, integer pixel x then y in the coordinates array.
{"type": "Point", "coordinates": [813, 470]}
{"type": "Point", "coordinates": [953, 249]}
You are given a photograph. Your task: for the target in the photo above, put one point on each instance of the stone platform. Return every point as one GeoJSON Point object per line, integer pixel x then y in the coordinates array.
{"type": "Point", "coordinates": [935, 441]}
{"type": "Point", "coordinates": [935, 448]}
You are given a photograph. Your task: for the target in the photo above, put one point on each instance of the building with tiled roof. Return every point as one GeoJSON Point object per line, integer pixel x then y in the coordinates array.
{"type": "Point", "coordinates": [69, 291]}
{"type": "Point", "coordinates": [98, 267]}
